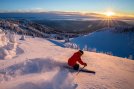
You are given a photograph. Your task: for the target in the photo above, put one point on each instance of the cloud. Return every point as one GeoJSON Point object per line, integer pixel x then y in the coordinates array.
{"type": "Point", "coordinates": [65, 15]}
{"type": "Point", "coordinates": [74, 15]}
{"type": "Point", "coordinates": [24, 10]}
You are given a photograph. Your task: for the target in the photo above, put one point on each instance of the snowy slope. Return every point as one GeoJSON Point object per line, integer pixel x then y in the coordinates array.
{"type": "Point", "coordinates": [39, 66]}
{"type": "Point", "coordinates": [107, 40]}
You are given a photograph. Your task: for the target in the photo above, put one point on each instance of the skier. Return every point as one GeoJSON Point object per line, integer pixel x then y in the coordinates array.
{"type": "Point", "coordinates": [72, 61]}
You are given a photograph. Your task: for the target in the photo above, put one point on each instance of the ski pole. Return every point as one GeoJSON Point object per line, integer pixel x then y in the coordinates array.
{"type": "Point", "coordinates": [80, 70]}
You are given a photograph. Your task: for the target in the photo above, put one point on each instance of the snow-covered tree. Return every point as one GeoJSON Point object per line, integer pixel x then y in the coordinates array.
{"type": "Point", "coordinates": [66, 39]}
{"type": "Point", "coordinates": [8, 45]}
{"type": "Point", "coordinates": [71, 45]}
{"type": "Point", "coordinates": [109, 53]}
{"type": "Point", "coordinates": [85, 48]}
{"type": "Point", "coordinates": [11, 37]}
{"type": "Point", "coordinates": [94, 50]}
{"type": "Point", "coordinates": [3, 39]}
{"type": "Point", "coordinates": [130, 57]}
{"type": "Point", "coordinates": [22, 37]}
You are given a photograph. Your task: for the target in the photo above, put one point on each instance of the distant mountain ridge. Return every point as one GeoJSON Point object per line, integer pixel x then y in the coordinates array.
{"type": "Point", "coordinates": [81, 26]}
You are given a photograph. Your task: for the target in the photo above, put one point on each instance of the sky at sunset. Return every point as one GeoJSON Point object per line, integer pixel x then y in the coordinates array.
{"type": "Point", "coordinates": [119, 7]}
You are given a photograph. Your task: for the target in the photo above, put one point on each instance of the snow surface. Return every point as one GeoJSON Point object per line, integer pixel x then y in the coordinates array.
{"type": "Point", "coordinates": [39, 62]}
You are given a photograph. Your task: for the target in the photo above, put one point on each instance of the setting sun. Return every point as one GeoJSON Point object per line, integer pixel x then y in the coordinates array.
{"type": "Point", "coordinates": [109, 13]}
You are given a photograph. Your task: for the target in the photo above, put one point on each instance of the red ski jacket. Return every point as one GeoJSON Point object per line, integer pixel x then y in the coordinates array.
{"type": "Point", "coordinates": [76, 57]}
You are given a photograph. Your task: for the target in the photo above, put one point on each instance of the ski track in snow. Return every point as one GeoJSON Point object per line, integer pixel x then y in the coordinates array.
{"type": "Point", "coordinates": [39, 66]}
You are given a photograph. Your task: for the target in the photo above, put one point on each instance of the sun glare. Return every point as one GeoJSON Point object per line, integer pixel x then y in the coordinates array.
{"type": "Point", "coordinates": [109, 13]}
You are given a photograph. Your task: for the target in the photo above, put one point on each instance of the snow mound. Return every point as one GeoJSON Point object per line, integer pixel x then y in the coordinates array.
{"type": "Point", "coordinates": [61, 79]}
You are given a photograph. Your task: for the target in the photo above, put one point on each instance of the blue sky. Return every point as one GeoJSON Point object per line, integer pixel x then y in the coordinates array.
{"type": "Point", "coordinates": [121, 6]}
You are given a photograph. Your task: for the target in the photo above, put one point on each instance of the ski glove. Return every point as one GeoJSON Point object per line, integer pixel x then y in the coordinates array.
{"type": "Point", "coordinates": [85, 64]}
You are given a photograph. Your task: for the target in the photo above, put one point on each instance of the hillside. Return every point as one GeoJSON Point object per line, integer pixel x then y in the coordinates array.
{"type": "Point", "coordinates": [38, 65]}
{"type": "Point", "coordinates": [118, 42]}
